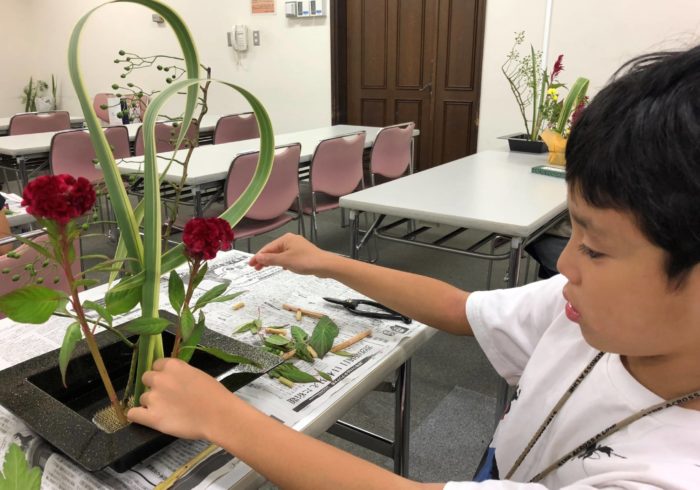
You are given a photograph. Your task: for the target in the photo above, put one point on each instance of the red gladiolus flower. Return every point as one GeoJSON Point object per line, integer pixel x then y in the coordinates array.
{"type": "Point", "coordinates": [60, 198]}
{"type": "Point", "coordinates": [204, 237]}
{"type": "Point", "coordinates": [558, 68]}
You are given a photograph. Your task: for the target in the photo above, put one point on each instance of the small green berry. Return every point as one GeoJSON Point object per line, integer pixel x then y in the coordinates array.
{"type": "Point", "coordinates": [56, 280]}
{"type": "Point", "coordinates": [122, 75]}
{"type": "Point", "coordinates": [115, 86]}
{"type": "Point", "coordinates": [159, 67]}
{"type": "Point", "coordinates": [40, 280]}
{"type": "Point", "coordinates": [15, 278]}
{"type": "Point", "coordinates": [6, 270]}
{"type": "Point", "coordinates": [129, 84]}
{"type": "Point", "coordinates": [122, 52]}
{"type": "Point", "coordinates": [103, 107]}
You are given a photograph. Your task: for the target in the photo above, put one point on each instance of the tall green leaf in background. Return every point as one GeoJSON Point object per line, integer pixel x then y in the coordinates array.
{"type": "Point", "coordinates": [147, 253]}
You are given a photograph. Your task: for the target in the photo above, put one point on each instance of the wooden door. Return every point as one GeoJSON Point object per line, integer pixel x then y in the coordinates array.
{"type": "Point", "coordinates": [411, 60]}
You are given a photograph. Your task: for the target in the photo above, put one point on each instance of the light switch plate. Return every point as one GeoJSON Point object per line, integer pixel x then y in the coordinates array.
{"type": "Point", "coordinates": [256, 38]}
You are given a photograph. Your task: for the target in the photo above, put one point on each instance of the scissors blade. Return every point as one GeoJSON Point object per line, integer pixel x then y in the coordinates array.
{"type": "Point", "coordinates": [336, 301]}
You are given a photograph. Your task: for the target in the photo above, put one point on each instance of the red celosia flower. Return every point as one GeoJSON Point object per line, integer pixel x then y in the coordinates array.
{"type": "Point", "coordinates": [60, 198]}
{"type": "Point", "coordinates": [579, 109]}
{"type": "Point", "coordinates": [558, 68]}
{"type": "Point", "coordinates": [204, 237]}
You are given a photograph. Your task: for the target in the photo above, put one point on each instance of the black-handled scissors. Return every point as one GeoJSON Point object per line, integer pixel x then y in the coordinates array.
{"type": "Point", "coordinates": [352, 306]}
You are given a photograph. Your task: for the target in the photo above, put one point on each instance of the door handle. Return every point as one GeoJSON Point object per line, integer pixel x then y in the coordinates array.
{"type": "Point", "coordinates": [428, 86]}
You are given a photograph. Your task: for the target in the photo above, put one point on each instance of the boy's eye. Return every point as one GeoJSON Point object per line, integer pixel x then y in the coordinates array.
{"type": "Point", "coordinates": [590, 252]}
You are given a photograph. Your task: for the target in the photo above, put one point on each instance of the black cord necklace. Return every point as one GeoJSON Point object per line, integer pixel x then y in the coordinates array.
{"type": "Point", "coordinates": [599, 436]}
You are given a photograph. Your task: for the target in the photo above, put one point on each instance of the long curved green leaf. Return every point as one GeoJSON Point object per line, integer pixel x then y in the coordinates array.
{"type": "Point", "coordinates": [573, 99]}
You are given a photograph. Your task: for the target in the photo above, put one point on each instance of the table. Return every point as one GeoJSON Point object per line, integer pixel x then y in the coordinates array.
{"type": "Point", "coordinates": [492, 191]}
{"type": "Point", "coordinates": [75, 122]}
{"type": "Point", "coordinates": [18, 215]}
{"type": "Point", "coordinates": [18, 150]}
{"type": "Point", "coordinates": [210, 164]}
{"type": "Point", "coordinates": [390, 347]}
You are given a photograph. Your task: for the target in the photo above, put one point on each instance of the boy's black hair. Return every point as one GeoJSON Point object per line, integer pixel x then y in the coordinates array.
{"type": "Point", "coordinates": [636, 148]}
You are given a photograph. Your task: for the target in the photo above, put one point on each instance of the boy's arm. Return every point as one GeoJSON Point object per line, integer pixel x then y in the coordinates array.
{"type": "Point", "coordinates": [187, 403]}
{"type": "Point", "coordinates": [424, 299]}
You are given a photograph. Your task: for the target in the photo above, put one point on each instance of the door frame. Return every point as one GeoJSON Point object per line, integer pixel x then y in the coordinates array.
{"type": "Point", "coordinates": [339, 62]}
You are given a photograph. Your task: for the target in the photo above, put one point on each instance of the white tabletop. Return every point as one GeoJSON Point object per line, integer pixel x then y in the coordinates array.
{"type": "Point", "coordinates": [210, 163]}
{"type": "Point", "coordinates": [491, 191]}
{"type": "Point", "coordinates": [38, 143]}
{"type": "Point", "coordinates": [5, 122]}
{"type": "Point", "coordinates": [17, 215]}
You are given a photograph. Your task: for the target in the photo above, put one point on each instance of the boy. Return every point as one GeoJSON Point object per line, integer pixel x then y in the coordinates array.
{"type": "Point", "coordinates": [597, 351]}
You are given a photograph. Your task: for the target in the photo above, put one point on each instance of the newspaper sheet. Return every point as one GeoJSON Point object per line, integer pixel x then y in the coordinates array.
{"type": "Point", "coordinates": [264, 293]}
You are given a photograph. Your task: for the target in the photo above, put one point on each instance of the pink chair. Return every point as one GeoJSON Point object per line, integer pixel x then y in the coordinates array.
{"type": "Point", "coordinates": [392, 152]}
{"type": "Point", "coordinates": [270, 210]}
{"type": "Point", "coordinates": [335, 170]}
{"type": "Point", "coordinates": [281, 192]}
{"type": "Point", "coordinates": [30, 256]}
{"type": "Point", "coordinates": [166, 135]}
{"type": "Point", "coordinates": [236, 127]}
{"type": "Point", "coordinates": [71, 152]}
{"type": "Point", "coordinates": [38, 122]}
{"type": "Point", "coordinates": [100, 100]}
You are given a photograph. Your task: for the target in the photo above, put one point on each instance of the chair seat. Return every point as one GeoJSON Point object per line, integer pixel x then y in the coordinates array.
{"type": "Point", "coordinates": [324, 202]}
{"type": "Point", "coordinates": [249, 227]}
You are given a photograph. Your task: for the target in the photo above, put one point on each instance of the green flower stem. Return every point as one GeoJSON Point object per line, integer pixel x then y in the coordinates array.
{"type": "Point", "coordinates": [66, 246]}
{"type": "Point", "coordinates": [194, 269]}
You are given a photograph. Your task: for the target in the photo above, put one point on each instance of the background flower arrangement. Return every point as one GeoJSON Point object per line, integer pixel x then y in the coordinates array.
{"type": "Point", "coordinates": [537, 92]}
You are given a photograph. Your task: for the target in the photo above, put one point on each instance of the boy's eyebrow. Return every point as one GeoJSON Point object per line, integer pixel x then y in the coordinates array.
{"type": "Point", "coordinates": [586, 224]}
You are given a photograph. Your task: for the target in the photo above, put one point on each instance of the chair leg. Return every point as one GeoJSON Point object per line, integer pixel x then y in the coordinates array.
{"type": "Point", "coordinates": [247, 244]}
{"type": "Point", "coordinates": [300, 218]}
{"type": "Point", "coordinates": [314, 229]}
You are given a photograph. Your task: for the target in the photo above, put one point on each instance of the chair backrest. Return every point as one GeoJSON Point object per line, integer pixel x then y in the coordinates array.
{"type": "Point", "coordinates": [391, 152]}
{"type": "Point", "coordinates": [30, 256]}
{"type": "Point", "coordinates": [101, 100]}
{"type": "Point", "coordinates": [71, 152]}
{"type": "Point", "coordinates": [336, 167]}
{"type": "Point", "coordinates": [236, 127]}
{"type": "Point", "coordinates": [166, 135]}
{"type": "Point", "coordinates": [281, 189]}
{"type": "Point", "coordinates": [38, 122]}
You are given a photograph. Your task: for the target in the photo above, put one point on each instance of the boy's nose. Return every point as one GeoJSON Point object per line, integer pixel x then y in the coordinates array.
{"type": "Point", "coordinates": [567, 263]}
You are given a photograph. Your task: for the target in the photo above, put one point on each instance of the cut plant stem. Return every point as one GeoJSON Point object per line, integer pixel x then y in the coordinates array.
{"type": "Point", "coordinates": [352, 340]}
{"type": "Point", "coordinates": [278, 331]}
{"type": "Point", "coordinates": [285, 382]}
{"type": "Point", "coordinates": [238, 306]}
{"type": "Point", "coordinates": [288, 355]}
{"type": "Point", "coordinates": [309, 313]}
{"type": "Point", "coordinates": [89, 337]}
{"type": "Point", "coordinates": [178, 473]}
{"type": "Point", "coordinates": [311, 350]}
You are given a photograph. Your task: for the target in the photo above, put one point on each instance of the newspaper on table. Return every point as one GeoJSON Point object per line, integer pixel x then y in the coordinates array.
{"type": "Point", "coordinates": [265, 292]}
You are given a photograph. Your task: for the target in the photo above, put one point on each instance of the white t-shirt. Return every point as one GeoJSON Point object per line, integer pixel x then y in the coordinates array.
{"type": "Point", "coordinates": [528, 339]}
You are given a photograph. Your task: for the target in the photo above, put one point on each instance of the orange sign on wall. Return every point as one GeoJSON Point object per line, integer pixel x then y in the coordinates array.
{"type": "Point", "coordinates": [263, 6]}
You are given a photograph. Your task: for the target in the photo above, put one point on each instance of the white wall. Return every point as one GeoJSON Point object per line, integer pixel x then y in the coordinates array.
{"type": "Point", "coordinates": [16, 54]}
{"type": "Point", "coordinates": [289, 72]}
{"type": "Point", "coordinates": [595, 36]}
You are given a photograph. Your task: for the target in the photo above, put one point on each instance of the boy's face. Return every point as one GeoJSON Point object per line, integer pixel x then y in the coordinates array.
{"type": "Point", "coordinates": [618, 290]}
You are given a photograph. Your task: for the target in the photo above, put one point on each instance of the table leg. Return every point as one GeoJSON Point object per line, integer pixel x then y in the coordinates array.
{"type": "Point", "coordinates": [516, 252]}
{"type": "Point", "coordinates": [402, 419]}
{"type": "Point", "coordinates": [197, 193]}
{"type": "Point", "coordinates": [354, 217]}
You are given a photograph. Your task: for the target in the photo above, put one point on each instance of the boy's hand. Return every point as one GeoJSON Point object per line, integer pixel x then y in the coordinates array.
{"type": "Point", "coordinates": [182, 401]}
{"type": "Point", "coordinates": [294, 253]}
